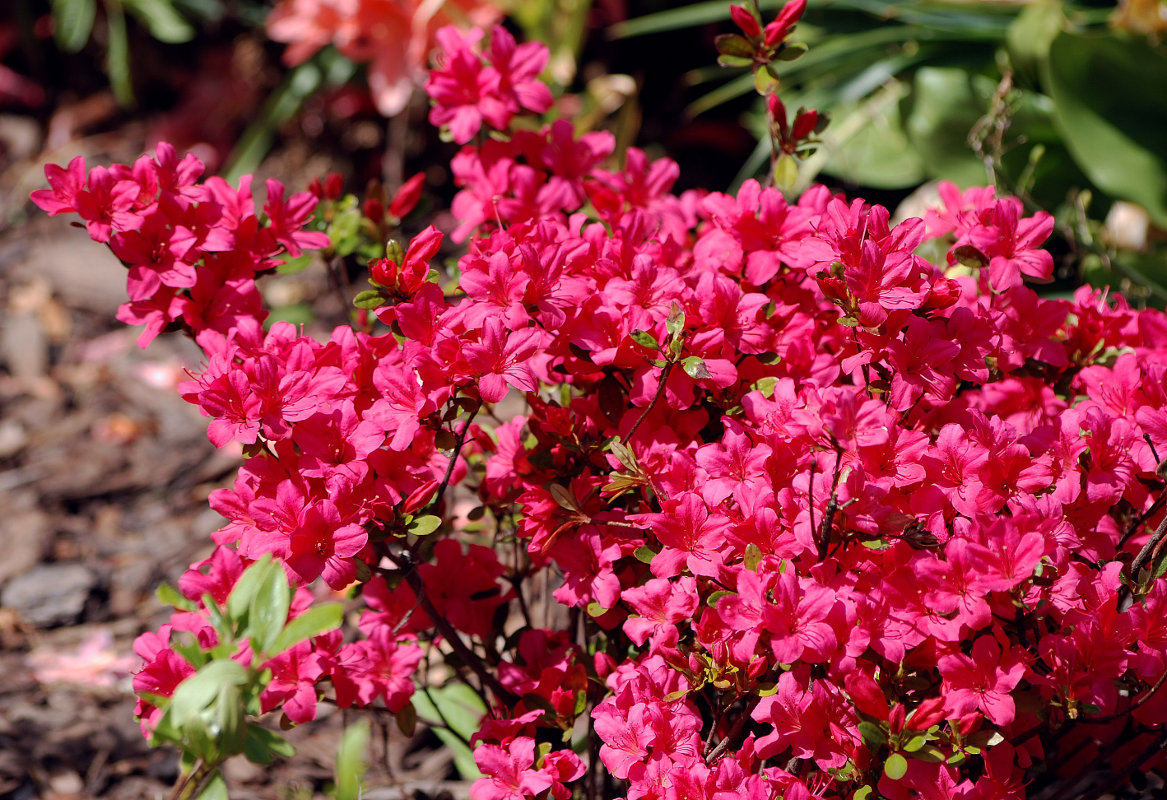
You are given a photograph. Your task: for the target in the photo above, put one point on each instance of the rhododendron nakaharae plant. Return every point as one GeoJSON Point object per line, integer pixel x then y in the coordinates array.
{"type": "Point", "coordinates": [821, 518]}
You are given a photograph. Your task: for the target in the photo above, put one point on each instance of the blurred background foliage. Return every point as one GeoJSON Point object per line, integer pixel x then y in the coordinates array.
{"type": "Point", "coordinates": [1060, 102]}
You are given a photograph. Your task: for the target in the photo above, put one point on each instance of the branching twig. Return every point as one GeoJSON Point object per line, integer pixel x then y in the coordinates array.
{"type": "Point", "coordinates": [660, 390]}
{"type": "Point", "coordinates": [405, 564]}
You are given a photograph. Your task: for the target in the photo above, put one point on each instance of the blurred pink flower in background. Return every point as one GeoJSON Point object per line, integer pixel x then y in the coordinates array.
{"type": "Point", "coordinates": [94, 663]}
{"type": "Point", "coordinates": [393, 36]}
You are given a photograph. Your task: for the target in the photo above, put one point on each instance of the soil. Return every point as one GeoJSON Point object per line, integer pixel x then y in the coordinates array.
{"type": "Point", "coordinates": [104, 478]}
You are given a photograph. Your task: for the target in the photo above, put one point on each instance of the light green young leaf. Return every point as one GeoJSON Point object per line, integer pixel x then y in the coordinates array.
{"type": "Point", "coordinates": [313, 622]}
{"type": "Point", "coordinates": [73, 23]}
{"type": "Point", "coordinates": [351, 761]}
{"type": "Point", "coordinates": [162, 19]}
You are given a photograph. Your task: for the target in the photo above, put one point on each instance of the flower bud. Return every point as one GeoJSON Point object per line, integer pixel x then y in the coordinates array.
{"type": "Point", "coordinates": [407, 196]}
{"type": "Point", "coordinates": [745, 19]}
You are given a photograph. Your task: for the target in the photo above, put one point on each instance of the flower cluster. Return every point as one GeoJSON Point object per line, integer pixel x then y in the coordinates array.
{"type": "Point", "coordinates": [823, 518]}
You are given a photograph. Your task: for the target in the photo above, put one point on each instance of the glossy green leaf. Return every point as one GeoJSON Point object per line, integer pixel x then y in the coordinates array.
{"type": "Point", "coordinates": [644, 554]}
{"type": "Point", "coordinates": [269, 608]}
{"type": "Point", "coordinates": [73, 23]}
{"type": "Point", "coordinates": [196, 694]}
{"type": "Point", "coordinates": [424, 525]}
{"type": "Point", "coordinates": [895, 767]}
{"type": "Point", "coordinates": [370, 298]}
{"type": "Point", "coordinates": [313, 622]}
{"type": "Point", "coordinates": [946, 104]}
{"type": "Point", "coordinates": [1112, 113]}
{"type": "Point", "coordinates": [734, 44]}
{"type": "Point", "coordinates": [868, 145]}
{"type": "Point", "coordinates": [695, 368]}
{"type": "Point", "coordinates": [239, 601]}
{"type": "Point", "coordinates": [644, 339]}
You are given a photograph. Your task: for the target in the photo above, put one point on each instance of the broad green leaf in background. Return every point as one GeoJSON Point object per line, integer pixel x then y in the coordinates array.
{"type": "Point", "coordinates": [326, 68]}
{"type": "Point", "coordinates": [118, 54]}
{"type": "Point", "coordinates": [946, 104]}
{"type": "Point", "coordinates": [1111, 109]}
{"type": "Point", "coordinates": [1030, 35]}
{"type": "Point", "coordinates": [866, 144]}
{"type": "Point", "coordinates": [462, 709]}
{"type": "Point", "coordinates": [73, 23]}
{"type": "Point", "coordinates": [351, 761]}
{"type": "Point", "coordinates": [162, 19]}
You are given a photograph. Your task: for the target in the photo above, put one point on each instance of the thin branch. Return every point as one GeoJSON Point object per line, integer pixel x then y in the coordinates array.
{"type": "Point", "coordinates": [407, 567]}
{"type": "Point", "coordinates": [459, 441]}
{"type": "Point", "coordinates": [660, 390]}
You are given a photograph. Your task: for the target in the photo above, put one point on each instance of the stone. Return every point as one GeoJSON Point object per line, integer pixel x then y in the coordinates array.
{"type": "Point", "coordinates": [50, 594]}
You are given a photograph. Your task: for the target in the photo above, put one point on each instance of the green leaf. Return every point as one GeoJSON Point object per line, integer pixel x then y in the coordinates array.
{"type": "Point", "coordinates": [915, 743]}
{"type": "Point", "coordinates": [406, 720]}
{"type": "Point", "coordinates": [734, 44]}
{"type": "Point", "coordinates": [214, 789]}
{"type": "Point", "coordinates": [196, 694]}
{"type": "Point", "coordinates": [895, 767]}
{"type": "Point", "coordinates": [695, 368]}
{"type": "Point", "coordinates": [326, 68]}
{"type": "Point", "coordinates": [946, 104]}
{"type": "Point", "coordinates": [228, 724]}
{"type": "Point", "coordinates": [424, 526]}
{"type": "Point", "coordinates": [313, 622]}
{"type": "Point", "coordinates": [675, 323]}
{"type": "Point", "coordinates": [644, 554]}
{"type": "Point", "coordinates": [268, 612]}
{"type": "Point", "coordinates": [118, 55]}
{"type": "Point", "coordinates": [462, 709]}
{"type": "Point", "coordinates": [261, 746]}
{"type": "Point", "coordinates": [351, 761]}
{"type": "Point", "coordinates": [172, 597]}
{"type": "Point", "coordinates": [872, 734]}
{"type": "Point", "coordinates": [563, 497]}
{"type": "Point", "coordinates": [869, 146]}
{"type": "Point", "coordinates": [73, 23]}
{"type": "Point", "coordinates": [792, 51]}
{"type": "Point", "coordinates": [765, 82]}
{"type": "Point", "coordinates": [163, 21]}
{"type": "Point", "coordinates": [645, 339]}
{"type": "Point", "coordinates": [734, 62]}
{"type": "Point", "coordinates": [753, 557]}
{"type": "Point", "coordinates": [1112, 121]}
{"type": "Point", "coordinates": [711, 601]}
{"type": "Point", "coordinates": [596, 610]}
{"type": "Point", "coordinates": [786, 173]}
{"type": "Point", "coordinates": [969, 256]}
{"type": "Point", "coordinates": [370, 298]}
{"type": "Point", "coordinates": [671, 20]}
{"type": "Point", "coordinates": [239, 601]}
{"type": "Point", "coordinates": [1030, 35]}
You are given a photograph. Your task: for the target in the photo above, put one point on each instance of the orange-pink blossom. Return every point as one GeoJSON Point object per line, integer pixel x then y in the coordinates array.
{"type": "Point", "coordinates": [393, 36]}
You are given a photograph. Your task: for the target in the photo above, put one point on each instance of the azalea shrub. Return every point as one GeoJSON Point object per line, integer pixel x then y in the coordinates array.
{"type": "Point", "coordinates": [706, 495]}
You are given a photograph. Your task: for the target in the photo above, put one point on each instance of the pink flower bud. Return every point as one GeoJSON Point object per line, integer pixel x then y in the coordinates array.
{"type": "Point", "coordinates": [744, 18]}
